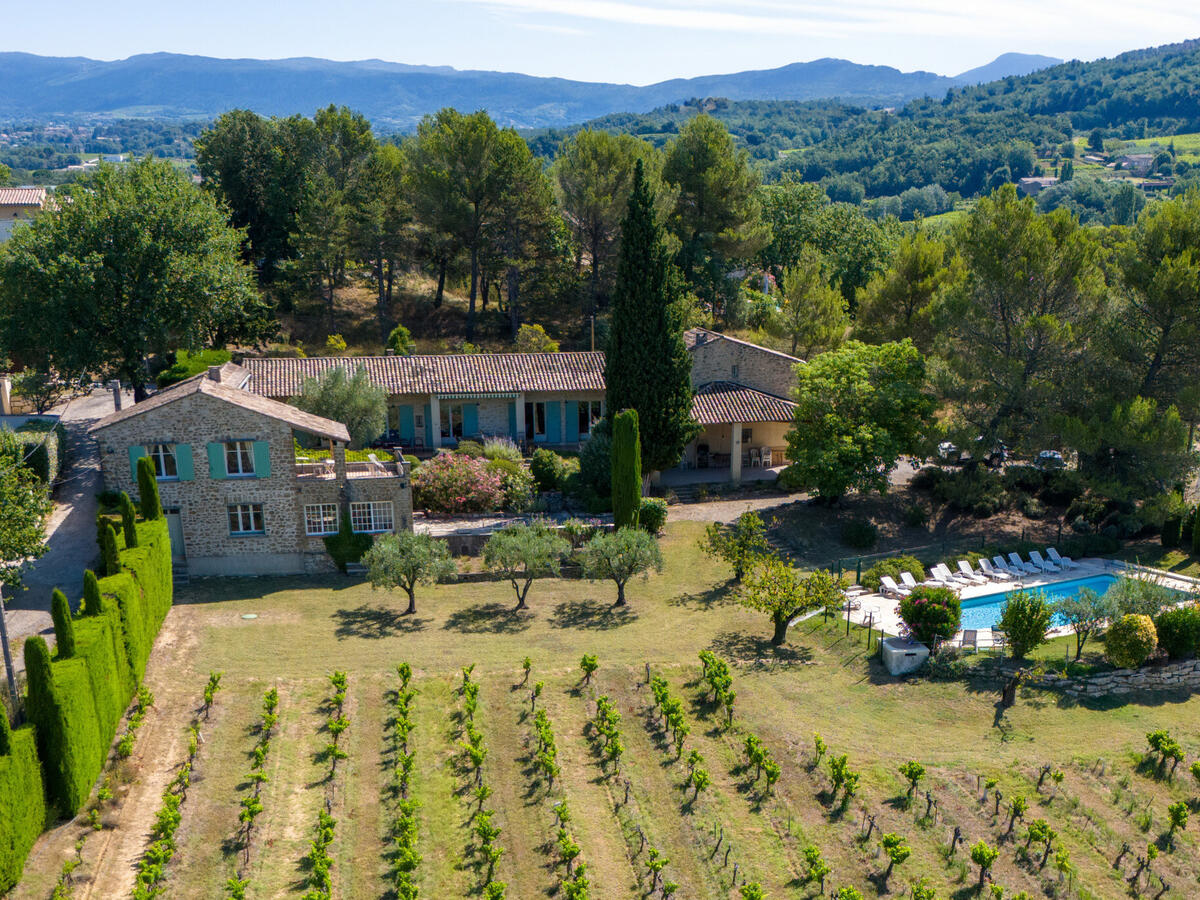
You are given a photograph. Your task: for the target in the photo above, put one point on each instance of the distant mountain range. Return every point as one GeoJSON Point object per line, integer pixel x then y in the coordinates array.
{"type": "Point", "coordinates": [396, 96]}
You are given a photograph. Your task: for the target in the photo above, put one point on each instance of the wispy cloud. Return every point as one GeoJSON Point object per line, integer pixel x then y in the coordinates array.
{"type": "Point", "coordinates": [833, 19]}
{"type": "Point", "coordinates": [553, 29]}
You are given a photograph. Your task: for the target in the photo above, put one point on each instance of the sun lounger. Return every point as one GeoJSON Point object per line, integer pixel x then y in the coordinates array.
{"type": "Point", "coordinates": [907, 580]}
{"type": "Point", "coordinates": [1002, 564]}
{"type": "Point", "coordinates": [992, 572]}
{"type": "Point", "coordinates": [1065, 561]}
{"type": "Point", "coordinates": [941, 576]}
{"type": "Point", "coordinates": [1046, 565]}
{"type": "Point", "coordinates": [1019, 565]}
{"type": "Point", "coordinates": [965, 570]}
{"type": "Point", "coordinates": [888, 586]}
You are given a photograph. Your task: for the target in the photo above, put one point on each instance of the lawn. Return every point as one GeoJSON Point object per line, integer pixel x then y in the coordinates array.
{"type": "Point", "coordinates": [821, 681]}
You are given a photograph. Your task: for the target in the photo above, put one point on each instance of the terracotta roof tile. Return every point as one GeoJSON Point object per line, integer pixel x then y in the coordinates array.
{"type": "Point", "coordinates": [227, 390]}
{"type": "Point", "coordinates": [22, 196]}
{"type": "Point", "coordinates": [482, 373]}
{"type": "Point", "coordinates": [722, 402]}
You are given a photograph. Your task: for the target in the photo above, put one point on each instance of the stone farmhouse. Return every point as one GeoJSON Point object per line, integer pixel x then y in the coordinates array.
{"type": "Point", "coordinates": [18, 205]}
{"type": "Point", "coordinates": [238, 501]}
{"type": "Point", "coordinates": [243, 495]}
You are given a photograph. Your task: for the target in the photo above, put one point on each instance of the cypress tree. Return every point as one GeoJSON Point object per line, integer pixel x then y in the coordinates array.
{"type": "Point", "coordinates": [1170, 532]}
{"type": "Point", "coordinates": [64, 627]}
{"type": "Point", "coordinates": [129, 520]}
{"type": "Point", "coordinates": [93, 601]}
{"type": "Point", "coordinates": [108, 549]}
{"type": "Point", "coordinates": [1196, 534]}
{"type": "Point", "coordinates": [647, 367]}
{"type": "Point", "coordinates": [40, 696]}
{"type": "Point", "coordinates": [626, 469]}
{"type": "Point", "coordinates": [1185, 528]}
{"type": "Point", "coordinates": [148, 490]}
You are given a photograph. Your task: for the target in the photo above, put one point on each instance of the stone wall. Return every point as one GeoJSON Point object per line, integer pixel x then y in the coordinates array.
{"type": "Point", "coordinates": [198, 419]}
{"type": "Point", "coordinates": [722, 359]}
{"type": "Point", "coordinates": [1172, 677]}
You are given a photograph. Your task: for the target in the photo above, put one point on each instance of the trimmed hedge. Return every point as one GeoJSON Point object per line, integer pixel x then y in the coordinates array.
{"type": "Point", "coordinates": [77, 704]}
{"type": "Point", "coordinates": [22, 800]}
{"type": "Point", "coordinates": [45, 453]}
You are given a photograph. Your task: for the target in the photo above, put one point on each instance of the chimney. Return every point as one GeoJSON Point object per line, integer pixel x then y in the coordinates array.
{"type": "Point", "coordinates": [214, 373]}
{"type": "Point", "coordinates": [115, 387]}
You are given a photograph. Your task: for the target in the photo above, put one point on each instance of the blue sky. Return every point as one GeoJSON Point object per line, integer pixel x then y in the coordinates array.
{"type": "Point", "coordinates": [635, 41]}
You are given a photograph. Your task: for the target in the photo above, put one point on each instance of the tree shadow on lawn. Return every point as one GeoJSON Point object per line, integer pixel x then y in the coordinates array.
{"type": "Point", "coordinates": [489, 618]}
{"type": "Point", "coordinates": [591, 614]}
{"type": "Point", "coordinates": [756, 651]}
{"type": "Point", "coordinates": [374, 621]}
{"type": "Point", "coordinates": [717, 595]}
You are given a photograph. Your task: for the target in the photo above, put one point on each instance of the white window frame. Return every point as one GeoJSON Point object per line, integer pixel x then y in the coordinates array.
{"type": "Point", "coordinates": [320, 519]}
{"type": "Point", "coordinates": [372, 516]}
{"type": "Point", "coordinates": [242, 454]}
{"type": "Point", "coordinates": [242, 518]}
{"type": "Point", "coordinates": [160, 455]}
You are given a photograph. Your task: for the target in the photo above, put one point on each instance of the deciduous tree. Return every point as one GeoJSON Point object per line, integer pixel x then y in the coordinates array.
{"type": "Point", "coordinates": [777, 589]}
{"type": "Point", "coordinates": [354, 400]}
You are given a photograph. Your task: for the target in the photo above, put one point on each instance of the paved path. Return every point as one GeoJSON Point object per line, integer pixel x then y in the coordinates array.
{"type": "Point", "coordinates": [71, 529]}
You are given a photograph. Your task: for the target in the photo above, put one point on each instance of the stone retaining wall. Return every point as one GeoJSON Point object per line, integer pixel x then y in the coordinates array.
{"type": "Point", "coordinates": [1171, 677]}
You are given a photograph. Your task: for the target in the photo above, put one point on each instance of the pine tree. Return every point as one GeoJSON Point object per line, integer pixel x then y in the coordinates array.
{"type": "Point", "coordinates": [129, 519]}
{"type": "Point", "coordinates": [64, 627]}
{"type": "Point", "coordinates": [626, 469]}
{"type": "Point", "coordinates": [108, 549]}
{"type": "Point", "coordinates": [148, 490]}
{"type": "Point", "coordinates": [647, 367]}
{"type": "Point", "coordinates": [93, 602]}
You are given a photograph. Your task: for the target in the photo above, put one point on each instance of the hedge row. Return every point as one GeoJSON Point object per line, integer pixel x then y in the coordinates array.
{"type": "Point", "coordinates": [45, 447]}
{"type": "Point", "coordinates": [23, 810]}
{"type": "Point", "coordinates": [77, 703]}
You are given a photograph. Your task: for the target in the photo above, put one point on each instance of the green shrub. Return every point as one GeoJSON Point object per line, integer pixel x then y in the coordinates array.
{"type": "Point", "coordinates": [549, 470]}
{"type": "Point", "coordinates": [401, 342]}
{"type": "Point", "coordinates": [928, 478]}
{"type": "Point", "coordinates": [976, 491]}
{"type": "Point", "coordinates": [128, 520]}
{"type": "Point", "coordinates": [108, 548]}
{"type": "Point", "coordinates": [916, 515]}
{"type": "Point", "coordinates": [64, 625]}
{"type": "Point", "coordinates": [892, 566]}
{"type": "Point", "coordinates": [1130, 641]}
{"type": "Point", "coordinates": [1023, 479]}
{"type": "Point", "coordinates": [652, 514]}
{"type": "Point", "coordinates": [1025, 618]}
{"type": "Point", "coordinates": [517, 483]}
{"type": "Point", "coordinates": [1186, 523]}
{"type": "Point", "coordinates": [595, 465]}
{"type": "Point", "coordinates": [22, 807]}
{"type": "Point", "coordinates": [1062, 486]}
{"type": "Point", "coordinates": [1170, 531]}
{"type": "Point", "coordinates": [859, 534]}
{"type": "Point", "coordinates": [931, 613]}
{"type": "Point", "coordinates": [347, 545]}
{"type": "Point", "coordinates": [188, 364]}
{"type": "Point", "coordinates": [469, 448]}
{"type": "Point", "coordinates": [1179, 631]}
{"type": "Point", "coordinates": [44, 447]}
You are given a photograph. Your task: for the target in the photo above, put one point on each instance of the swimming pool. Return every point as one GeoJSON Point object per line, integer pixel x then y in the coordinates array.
{"type": "Point", "coordinates": [984, 612]}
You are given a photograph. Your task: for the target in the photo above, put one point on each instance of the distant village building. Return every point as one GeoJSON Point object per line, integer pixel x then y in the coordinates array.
{"type": "Point", "coordinates": [1137, 163]}
{"type": "Point", "coordinates": [18, 205]}
{"type": "Point", "coordinates": [1031, 187]}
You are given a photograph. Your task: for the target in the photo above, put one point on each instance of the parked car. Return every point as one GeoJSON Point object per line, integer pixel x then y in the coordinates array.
{"type": "Point", "coordinates": [1050, 459]}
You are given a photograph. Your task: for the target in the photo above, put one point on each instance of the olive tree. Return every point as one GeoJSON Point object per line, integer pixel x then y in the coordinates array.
{"type": "Point", "coordinates": [522, 553]}
{"type": "Point", "coordinates": [405, 560]}
{"type": "Point", "coordinates": [620, 555]}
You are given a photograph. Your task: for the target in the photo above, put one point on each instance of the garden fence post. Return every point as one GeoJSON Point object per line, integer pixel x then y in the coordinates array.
{"type": "Point", "coordinates": [858, 572]}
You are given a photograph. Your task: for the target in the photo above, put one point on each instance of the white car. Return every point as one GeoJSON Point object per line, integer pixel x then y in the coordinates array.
{"type": "Point", "coordinates": [1050, 459]}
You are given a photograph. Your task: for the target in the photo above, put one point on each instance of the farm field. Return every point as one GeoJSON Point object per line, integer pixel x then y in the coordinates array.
{"type": "Point", "coordinates": [738, 826]}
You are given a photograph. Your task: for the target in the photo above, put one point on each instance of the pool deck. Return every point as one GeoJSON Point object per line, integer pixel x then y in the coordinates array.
{"type": "Point", "coordinates": [883, 612]}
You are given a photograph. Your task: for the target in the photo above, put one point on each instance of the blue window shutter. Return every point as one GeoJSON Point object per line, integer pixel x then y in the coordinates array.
{"type": "Point", "coordinates": [183, 462]}
{"type": "Point", "coordinates": [135, 453]}
{"type": "Point", "coordinates": [216, 461]}
{"type": "Point", "coordinates": [512, 419]}
{"type": "Point", "coordinates": [262, 459]}
{"type": "Point", "coordinates": [428, 428]}
{"type": "Point", "coordinates": [553, 421]}
{"type": "Point", "coordinates": [572, 420]}
{"type": "Point", "coordinates": [470, 419]}
{"type": "Point", "coordinates": [406, 423]}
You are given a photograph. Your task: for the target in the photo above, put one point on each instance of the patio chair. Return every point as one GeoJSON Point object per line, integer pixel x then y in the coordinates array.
{"type": "Point", "coordinates": [765, 453]}
{"type": "Point", "coordinates": [992, 572]}
{"type": "Point", "coordinates": [970, 638]}
{"type": "Point", "coordinates": [907, 580]}
{"type": "Point", "coordinates": [965, 570]}
{"type": "Point", "coordinates": [1045, 565]}
{"type": "Point", "coordinates": [1019, 565]}
{"type": "Point", "coordinates": [999, 640]}
{"type": "Point", "coordinates": [888, 587]}
{"type": "Point", "coordinates": [755, 458]}
{"type": "Point", "coordinates": [1065, 561]}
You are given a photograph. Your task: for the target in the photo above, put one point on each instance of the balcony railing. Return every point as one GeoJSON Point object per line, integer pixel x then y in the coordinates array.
{"type": "Point", "coordinates": [323, 469]}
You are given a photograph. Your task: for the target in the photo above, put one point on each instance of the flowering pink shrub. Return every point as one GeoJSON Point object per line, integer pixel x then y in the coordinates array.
{"type": "Point", "coordinates": [456, 483]}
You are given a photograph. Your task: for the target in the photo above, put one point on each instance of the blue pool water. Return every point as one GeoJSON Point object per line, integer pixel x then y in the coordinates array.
{"type": "Point", "coordinates": [984, 612]}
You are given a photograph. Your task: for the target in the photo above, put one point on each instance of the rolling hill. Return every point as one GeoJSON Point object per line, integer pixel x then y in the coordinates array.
{"type": "Point", "coordinates": [396, 96]}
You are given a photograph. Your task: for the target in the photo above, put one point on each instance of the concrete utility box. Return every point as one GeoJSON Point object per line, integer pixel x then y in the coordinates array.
{"type": "Point", "coordinates": [903, 656]}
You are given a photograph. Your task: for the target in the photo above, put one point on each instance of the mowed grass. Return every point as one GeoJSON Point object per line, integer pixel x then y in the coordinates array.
{"type": "Point", "coordinates": [822, 681]}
